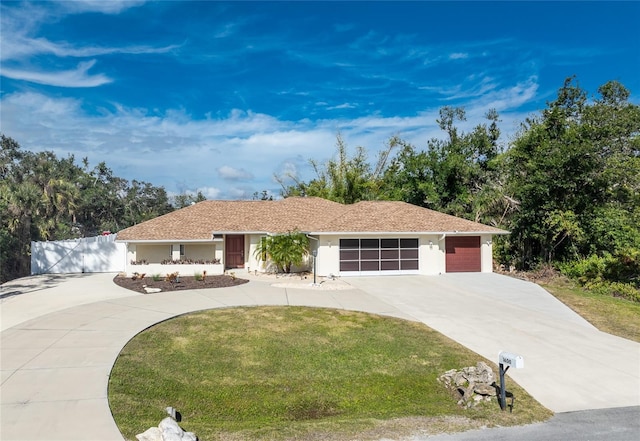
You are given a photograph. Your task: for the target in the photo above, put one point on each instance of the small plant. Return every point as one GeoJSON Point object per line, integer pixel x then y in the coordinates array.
{"type": "Point", "coordinates": [198, 277]}
{"type": "Point", "coordinates": [172, 277]}
{"type": "Point", "coordinates": [156, 277]}
{"type": "Point", "coordinates": [190, 262]}
{"type": "Point", "coordinates": [139, 262]}
{"type": "Point", "coordinates": [138, 276]}
{"type": "Point", "coordinates": [204, 275]}
{"type": "Point", "coordinates": [232, 275]}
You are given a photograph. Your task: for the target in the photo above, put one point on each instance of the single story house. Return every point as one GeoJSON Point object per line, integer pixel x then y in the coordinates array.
{"type": "Point", "coordinates": [365, 238]}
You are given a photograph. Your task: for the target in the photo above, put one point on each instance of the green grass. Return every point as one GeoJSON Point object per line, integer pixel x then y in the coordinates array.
{"type": "Point", "coordinates": [609, 314]}
{"type": "Point", "coordinates": [298, 373]}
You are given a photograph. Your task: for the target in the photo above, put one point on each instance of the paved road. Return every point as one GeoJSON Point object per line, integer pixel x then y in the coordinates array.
{"type": "Point", "coordinates": [619, 424]}
{"type": "Point", "coordinates": [61, 337]}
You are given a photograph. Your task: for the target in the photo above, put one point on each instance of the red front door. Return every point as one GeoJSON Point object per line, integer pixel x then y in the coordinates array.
{"type": "Point", "coordinates": [234, 254]}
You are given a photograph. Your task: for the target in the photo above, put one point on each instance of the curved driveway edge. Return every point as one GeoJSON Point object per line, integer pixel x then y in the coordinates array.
{"type": "Point", "coordinates": [55, 367]}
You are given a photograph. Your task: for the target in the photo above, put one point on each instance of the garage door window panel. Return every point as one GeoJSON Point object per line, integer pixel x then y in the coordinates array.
{"type": "Point", "coordinates": [389, 254]}
{"type": "Point", "coordinates": [349, 254]}
{"type": "Point", "coordinates": [389, 243]}
{"type": "Point", "coordinates": [369, 244]}
{"type": "Point", "coordinates": [408, 264]}
{"type": "Point", "coordinates": [349, 244]}
{"type": "Point", "coordinates": [350, 266]}
{"type": "Point", "coordinates": [408, 243]}
{"type": "Point", "coordinates": [390, 265]}
{"type": "Point", "coordinates": [370, 254]}
{"type": "Point", "coordinates": [370, 265]}
{"type": "Point", "coordinates": [408, 254]}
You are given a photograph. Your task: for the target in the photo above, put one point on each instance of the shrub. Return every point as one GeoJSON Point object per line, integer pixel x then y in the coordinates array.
{"type": "Point", "coordinates": [172, 277]}
{"type": "Point", "coordinates": [198, 276]}
{"type": "Point", "coordinates": [284, 250]}
{"type": "Point", "coordinates": [156, 277]}
{"type": "Point", "coordinates": [585, 271]}
{"type": "Point", "coordinates": [617, 289]}
{"type": "Point", "coordinates": [617, 275]}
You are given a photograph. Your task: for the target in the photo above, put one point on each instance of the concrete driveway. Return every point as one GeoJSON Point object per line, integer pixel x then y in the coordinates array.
{"type": "Point", "coordinates": [65, 334]}
{"type": "Point", "coordinates": [568, 364]}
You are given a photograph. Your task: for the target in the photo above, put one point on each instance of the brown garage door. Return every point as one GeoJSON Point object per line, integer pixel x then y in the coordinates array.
{"type": "Point", "coordinates": [463, 254]}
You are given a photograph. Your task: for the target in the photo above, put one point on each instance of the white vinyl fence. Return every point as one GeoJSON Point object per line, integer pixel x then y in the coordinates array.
{"type": "Point", "coordinates": [100, 254]}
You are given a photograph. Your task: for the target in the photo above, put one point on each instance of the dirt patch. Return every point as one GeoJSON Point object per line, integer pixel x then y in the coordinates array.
{"type": "Point", "coordinates": [185, 283]}
{"type": "Point", "coordinates": [545, 274]}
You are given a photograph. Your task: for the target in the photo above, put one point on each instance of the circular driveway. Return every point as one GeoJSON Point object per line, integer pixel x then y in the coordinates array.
{"type": "Point", "coordinates": [64, 333]}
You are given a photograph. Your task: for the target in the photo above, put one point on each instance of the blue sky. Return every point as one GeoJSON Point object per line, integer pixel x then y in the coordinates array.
{"type": "Point", "coordinates": [218, 97]}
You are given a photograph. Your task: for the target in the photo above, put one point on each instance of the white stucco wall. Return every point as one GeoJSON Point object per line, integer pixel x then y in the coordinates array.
{"type": "Point", "coordinates": [432, 255]}
{"type": "Point", "coordinates": [152, 253]}
{"type": "Point", "coordinates": [252, 262]}
{"type": "Point", "coordinates": [486, 253]}
{"type": "Point", "coordinates": [196, 251]}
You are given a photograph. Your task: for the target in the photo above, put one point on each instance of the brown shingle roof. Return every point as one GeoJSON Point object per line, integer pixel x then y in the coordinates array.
{"type": "Point", "coordinates": [396, 216]}
{"type": "Point", "coordinates": [317, 215]}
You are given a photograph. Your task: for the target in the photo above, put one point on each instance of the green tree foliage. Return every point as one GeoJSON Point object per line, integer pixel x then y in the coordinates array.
{"type": "Point", "coordinates": [284, 250]}
{"type": "Point", "coordinates": [185, 199]}
{"type": "Point", "coordinates": [342, 179]}
{"type": "Point", "coordinates": [460, 175]}
{"type": "Point", "coordinates": [575, 171]}
{"type": "Point", "coordinates": [43, 197]}
{"type": "Point", "coordinates": [567, 186]}
{"type": "Point", "coordinates": [262, 196]}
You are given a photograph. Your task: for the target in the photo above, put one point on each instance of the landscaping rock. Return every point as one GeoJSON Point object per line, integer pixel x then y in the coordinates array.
{"type": "Point", "coordinates": [472, 385]}
{"type": "Point", "coordinates": [167, 430]}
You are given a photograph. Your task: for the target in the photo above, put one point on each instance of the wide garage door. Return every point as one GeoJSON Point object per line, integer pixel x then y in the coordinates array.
{"type": "Point", "coordinates": [382, 255]}
{"type": "Point", "coordinates": [463, 254]}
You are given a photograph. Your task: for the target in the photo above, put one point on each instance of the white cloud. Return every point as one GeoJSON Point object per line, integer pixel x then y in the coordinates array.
{"type": "Point", "coordinates": [209, 192]}
{"type": "Point", "coordinates": [229, 173]}
{"type": "Point", "coordinates": [342, 106]}
{"type": "Point", "coordinates": [181, 153]}
{"type": "Point", "coordinates": [102, 6]}
{"type": "Point", "coordinates": [458, 56]}
{"type": "Point", "coordinates": [78, 77]}
{"type": "Point", "coordinates": [20, 43]}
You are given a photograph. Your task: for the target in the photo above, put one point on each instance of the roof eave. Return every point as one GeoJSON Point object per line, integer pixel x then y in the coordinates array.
{"type": "Point", "coordinates": [409, 233]}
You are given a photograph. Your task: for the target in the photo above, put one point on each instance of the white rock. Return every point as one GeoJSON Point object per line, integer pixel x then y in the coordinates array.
{"type": "Point", "coordinates": [169, 425]}
{"type": "Point", "coordinates": [153, 434]}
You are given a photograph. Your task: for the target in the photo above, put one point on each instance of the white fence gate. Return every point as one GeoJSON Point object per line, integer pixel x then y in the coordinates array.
{"type": "Point", "coordinates": [99, 254]}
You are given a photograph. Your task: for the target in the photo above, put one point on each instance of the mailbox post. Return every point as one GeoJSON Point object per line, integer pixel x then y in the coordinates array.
{"type": "Point", "coordinates": [315, 254]}
{"type": "Point", "coordinates": [509, 360]}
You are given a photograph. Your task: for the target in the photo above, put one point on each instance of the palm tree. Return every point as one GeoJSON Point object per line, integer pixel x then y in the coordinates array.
{"type": "Point", "coordinates": [284, 250]}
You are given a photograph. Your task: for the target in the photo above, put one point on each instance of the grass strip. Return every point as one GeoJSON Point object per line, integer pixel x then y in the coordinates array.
{"type": "Point", "coordinates": [613, 315]}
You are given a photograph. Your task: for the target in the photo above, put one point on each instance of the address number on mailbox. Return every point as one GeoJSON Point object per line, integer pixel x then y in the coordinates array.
{"type": "Point", "coordinates": [512, 360]}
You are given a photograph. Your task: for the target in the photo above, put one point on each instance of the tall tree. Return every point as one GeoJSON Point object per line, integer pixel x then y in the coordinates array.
{"type": "Point", "coordinates": [343, 178]}
{"type": "Point", "coordinates": [570, 169]}
{"type": "Point", "coordinates": [185, 199]}
{"type": "Point", "coordinates": [460, 175]}
{"type": "Point", "coordinates": [43, 197]}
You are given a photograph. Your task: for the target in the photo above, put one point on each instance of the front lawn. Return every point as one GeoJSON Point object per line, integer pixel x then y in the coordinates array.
{"type": "Point", "coordinates": [298, 373]}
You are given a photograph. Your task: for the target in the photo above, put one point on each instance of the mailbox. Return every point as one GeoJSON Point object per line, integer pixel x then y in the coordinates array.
{"type": "Point", "coordinates": [512, 360]}
{"type": "Point", "coordinates": [507, 360]}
